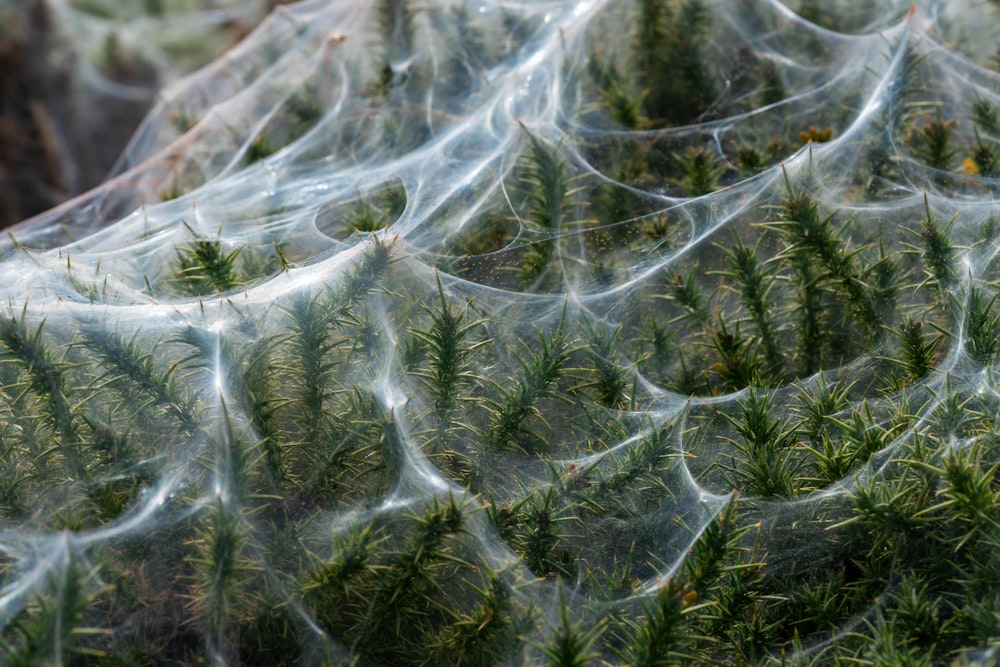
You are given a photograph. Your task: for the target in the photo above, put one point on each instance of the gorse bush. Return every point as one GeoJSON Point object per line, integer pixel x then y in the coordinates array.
{"type": "Point", "coordinates": [650, 333]}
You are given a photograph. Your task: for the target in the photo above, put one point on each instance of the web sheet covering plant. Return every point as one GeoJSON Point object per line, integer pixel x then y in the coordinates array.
{"type": "Point", "coordinates": [556, 333]}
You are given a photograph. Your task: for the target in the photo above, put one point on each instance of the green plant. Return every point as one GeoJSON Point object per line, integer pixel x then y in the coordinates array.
{"type": "Point", "coordinates": [449, 350]}
{"type": "Point", "coordinates": [53, 628]}
{"type": "Point", "coordinates": [548, 192]}
{"type": "Point", "coordinates": [570, 646]}
{"type": "Point", "coordinates": [765, 465]}
{"type": "Point", "coordinates": [982, 326]}
{"type": "Point", "coordinates": [668, 46]}
{"type": "Point", "coordinates": [811, 237]}
{"type": "Point", "coordinates": [222, 569]}
{"type": "Point", "coordinates": [538, 375]}
{"type": "Point", "coordinates": [753, 285]}
{"type": "Point", "coordinates": [934, 143]}
{"type": "Point", "coordinates": [204, 268]}
{"type": "Point", "coordinates": [937, 250]}
{"type": "Point", "coordinates": [702, 169]}
{"type": "Point", "coordinates": [917, 353]}
{"type": "Point", "coordinates": [660, 639]}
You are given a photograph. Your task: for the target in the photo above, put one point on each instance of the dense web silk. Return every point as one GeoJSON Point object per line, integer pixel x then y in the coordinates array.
{"type": "Point", "coordinates": [223, 369]}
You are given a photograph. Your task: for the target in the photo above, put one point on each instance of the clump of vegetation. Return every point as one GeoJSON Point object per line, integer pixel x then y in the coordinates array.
{"type": "Point", "coordinates": [605, 383]}
{"type": "Point", "coordinates": [671, 66]}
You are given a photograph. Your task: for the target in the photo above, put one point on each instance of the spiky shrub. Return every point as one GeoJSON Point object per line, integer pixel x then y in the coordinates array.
{"type": "Point", "coordinates": [450, 351]}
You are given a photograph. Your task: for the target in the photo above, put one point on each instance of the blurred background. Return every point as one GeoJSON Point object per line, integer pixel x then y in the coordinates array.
{"type": "Point", "coordinates": [77, 77]}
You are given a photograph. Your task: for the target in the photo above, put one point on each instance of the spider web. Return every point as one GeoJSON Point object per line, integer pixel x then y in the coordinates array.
{"type": "Point", "coordinates": [234, 334]}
